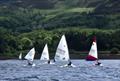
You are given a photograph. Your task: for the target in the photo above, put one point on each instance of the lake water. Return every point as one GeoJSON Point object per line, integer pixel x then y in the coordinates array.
{"type": "Point", "coordinates": [15, 70]}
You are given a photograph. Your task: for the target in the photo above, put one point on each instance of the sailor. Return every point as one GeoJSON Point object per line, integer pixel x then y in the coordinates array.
{"type": "Point", "coordinates": [30, 62]}
{"type": "Point", "coordinates": [70, 63]}
{"type": "Point", "coordinates": [48, 61]}
{"type": "Point", "coordinates": [98, 63]}
{"type": "Point", "coordinates": [53, 60]}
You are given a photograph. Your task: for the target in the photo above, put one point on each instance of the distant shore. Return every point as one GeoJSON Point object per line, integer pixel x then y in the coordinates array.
{"type": "Point", "coordinates": [81, 55]}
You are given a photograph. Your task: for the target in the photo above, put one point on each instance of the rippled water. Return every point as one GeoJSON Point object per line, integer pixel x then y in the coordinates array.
{"type": "Point", "coordinates": [14, 70]}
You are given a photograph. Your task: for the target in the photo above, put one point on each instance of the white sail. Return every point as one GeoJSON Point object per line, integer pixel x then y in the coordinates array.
{"type": "Point", "coordinates": [93, 50]}
{"type": "Point", "coordinates": [93, 55]}
{"type": "Point", "coordinates": [45, 53]}
{"type": "Point", "coordinates": [20, 56]}
{"type": "Point", "coordinates": [62, 53]}
{"type": "Point", "coordinates": [30, 55]}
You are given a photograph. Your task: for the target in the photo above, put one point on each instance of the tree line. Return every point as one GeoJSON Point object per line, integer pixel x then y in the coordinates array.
{"type": "Point", "coordinates": [11, 44]}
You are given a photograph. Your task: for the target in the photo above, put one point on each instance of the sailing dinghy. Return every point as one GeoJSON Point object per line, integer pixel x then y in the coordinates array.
{"type": "Point", "coordinates": [30, 57]}
{"type": "Point", "coordinates": [93, 54]}
{"type": "Point", "coordinates": [20, 56]}
{"type": "Point", "coordinates": [45, 55]}
{"type": "Point", "coordinates": [62, 53]}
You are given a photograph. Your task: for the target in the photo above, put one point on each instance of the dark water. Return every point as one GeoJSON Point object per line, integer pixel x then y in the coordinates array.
{"type": "Point", "coordinates": [14, 70]}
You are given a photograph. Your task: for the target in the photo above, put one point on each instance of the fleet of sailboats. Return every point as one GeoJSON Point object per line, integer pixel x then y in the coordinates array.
{"type": "Point", "coordinates": [62, 53]}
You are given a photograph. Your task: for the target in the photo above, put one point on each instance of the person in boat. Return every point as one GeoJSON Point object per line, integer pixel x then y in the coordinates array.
{"type": "Point", "coordinates": [98, 63]}
{"type": "Point", "coordinates": [53, 60]}
{"type": "Point", "coordinates": [70, 63]}
{"type": "Point", "coordinates": [30, 63]}
{"type": "Point", "coordinates": [48, 61]}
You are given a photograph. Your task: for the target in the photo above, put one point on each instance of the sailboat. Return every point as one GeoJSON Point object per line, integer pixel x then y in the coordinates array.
{"type": "Point", "coordinates": [62, 53]}
{"type": "Point", "coordinates": [45, 54]}
{"type": "Point", "coordinates": [93, 54]}
{"type": "Point", "coordinates": [30, 57]}
{"type": "Point", "coordinates": [20, 56]}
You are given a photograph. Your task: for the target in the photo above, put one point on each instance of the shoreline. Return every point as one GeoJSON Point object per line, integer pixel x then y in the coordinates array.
{"type": "Point", "coordinates": [78, 56]}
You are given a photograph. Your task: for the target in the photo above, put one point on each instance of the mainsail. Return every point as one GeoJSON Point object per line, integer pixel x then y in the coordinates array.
{"type": "Point", "coordinates": [62, 53]}
{"type": "Point", "coordinates": [45, 53]}
{"type": "Point", "coordinates": [30, 55]}
{"type": "Point", "coordinates": [93, 55]}
{"type": "Point", "coordinates": [20, 56]}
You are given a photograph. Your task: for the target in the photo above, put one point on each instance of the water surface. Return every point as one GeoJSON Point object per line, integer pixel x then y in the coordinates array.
{"type": "Point", "coordinates": [14, 70]}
